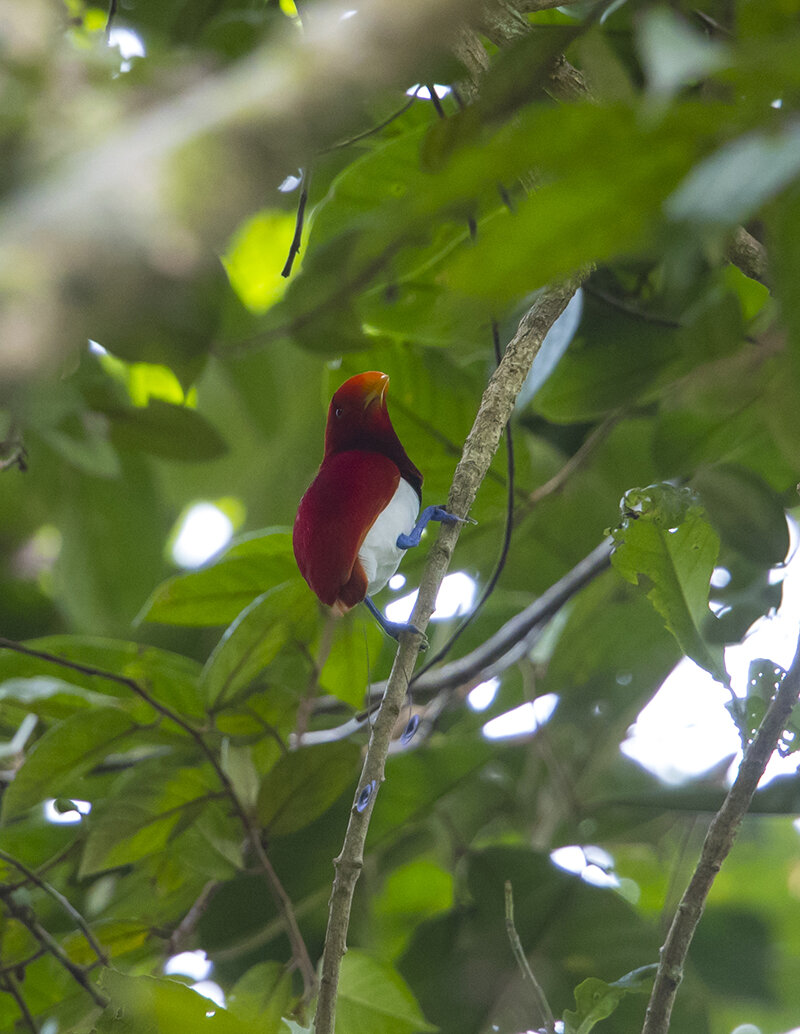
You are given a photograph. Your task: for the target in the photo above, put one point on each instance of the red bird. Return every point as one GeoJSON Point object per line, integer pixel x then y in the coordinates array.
{"type": "Point", "coordinates": [357, 517]}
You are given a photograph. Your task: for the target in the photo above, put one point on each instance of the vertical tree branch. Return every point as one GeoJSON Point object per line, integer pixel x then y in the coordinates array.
{"type": "Point", "coordinates": [479, 448]}
{"type": "Point", "coordinates": [718, 842]}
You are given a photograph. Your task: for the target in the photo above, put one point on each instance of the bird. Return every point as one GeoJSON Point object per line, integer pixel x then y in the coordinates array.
{"type": "Point", "coordinates": [362, 510]}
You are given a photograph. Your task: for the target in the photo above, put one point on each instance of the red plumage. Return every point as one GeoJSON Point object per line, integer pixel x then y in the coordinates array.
{"type": "Point", "coordinates": [360, 473]}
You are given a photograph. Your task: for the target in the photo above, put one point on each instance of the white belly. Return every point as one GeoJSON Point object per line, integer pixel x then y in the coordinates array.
{"type": "Point", "coordinates": [379, 553]}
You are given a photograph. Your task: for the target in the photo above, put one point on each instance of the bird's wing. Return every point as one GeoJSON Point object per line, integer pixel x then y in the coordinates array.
{"type": "Point", "coordinates": [342, 503]}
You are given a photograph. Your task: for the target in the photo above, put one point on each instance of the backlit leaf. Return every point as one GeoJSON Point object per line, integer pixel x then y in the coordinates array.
{"type": "Point", "coordinates": [670, 550]}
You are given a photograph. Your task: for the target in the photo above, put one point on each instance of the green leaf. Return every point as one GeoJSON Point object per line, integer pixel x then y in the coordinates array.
{"type": "Point", "coordinates": [255, 256]}
{"type": "Point", "coordinates": [163, 1006]}
{"type": "Point", "coordinates": [105, 524]}
{"type": "Point", "coordinates": [263, 995]}
{"type": "Point", "coordinates": [49, 697]}
{"type": "Point", "coordinates": [411, 893]}
{"type": "Point", "coordinates": [612, 360]}
{"type": "Point", "coordinates": [612, 653]}
{"type": "Point", "coordinates": [734, 182]}
{"type": "Point", "coordinates": [595, 1000]}
{"type": "Point", "coordinates": [673, 55]}
{"type": "Point", "coordinates": [304, 784]}
{"type": "Point", "coordinates": [582, 212]}
{"type": "Point", "coordinates": [172, 432]}
{"type": "Point", "coordinates": [237, 763]}
{"type": "Point", "coordinates": [746, 512]}
{"type": "Point", "coordinates": [168, 677]}
{"type": "Point", "coordinates": [285, 613]}
{"type": "Point", "coordinates": [143, 811]}
{"type": "Point", "coordinates": [218, 593]}
{"type": "Point", "coordinates": [665, 546]}
{"type": "Point", "coordinates": [415, 780]}
{"type": "Point", "coordinates": [346, 672]}
{"type": "Point", "coordinates": [64, 753]}
{"type": "Point", "coordinates": [373, 997]}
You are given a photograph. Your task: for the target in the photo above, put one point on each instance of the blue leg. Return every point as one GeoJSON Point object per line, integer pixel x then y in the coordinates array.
{"type": "Point", "coordinates": [430, 513]}
{"type": "Point", "coordinates": [393, 628]}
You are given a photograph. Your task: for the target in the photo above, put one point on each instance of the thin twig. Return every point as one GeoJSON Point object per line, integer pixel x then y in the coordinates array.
{"type": "Point", "coordinates": [29, 921]}
{"type": "Point", "coordinates": [481, 444]}
{"type": "Point", "coordinates": [632, 310]}
{"type": "Point", "coordinates": [294, 247]}
{"type": "Point", "coordinates": [718, 842]}
{"type": "Point", "coordinates": [112, 10]}
{"type": "Point", "coordinates": [283, 903]}
{"type": "Point", "coordinates": [578, 458]}
{"type": "Point", "coordinates": [192, 917]}
{"type": "Point", "coordinates": [9, 983]}
{"type": "Point", "coordinates": [57, 896]}
{"type": "Point", "coordinates": [542, 1005]}
{"type": "Point", "coordinates": [373, 129]}
{"type": "Point", "coordinates": [434, 96]}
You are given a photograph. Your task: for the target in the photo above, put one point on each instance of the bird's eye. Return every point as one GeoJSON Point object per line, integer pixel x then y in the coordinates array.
{"type": "Point", "coordinates": [338, 411]}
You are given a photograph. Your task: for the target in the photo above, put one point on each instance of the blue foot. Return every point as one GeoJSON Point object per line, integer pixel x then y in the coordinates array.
{"type": "Point", "coordinates": [394, 628]}
{"type": "Point", "coordinates": [430, 513]}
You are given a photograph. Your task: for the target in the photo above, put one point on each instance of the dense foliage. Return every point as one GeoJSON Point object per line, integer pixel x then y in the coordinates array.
{"type": "Point", "coordinates": [150, 205]}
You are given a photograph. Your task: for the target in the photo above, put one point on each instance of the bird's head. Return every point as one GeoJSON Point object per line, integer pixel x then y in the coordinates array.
{"type": "Point", "coordinates": [358, 417]}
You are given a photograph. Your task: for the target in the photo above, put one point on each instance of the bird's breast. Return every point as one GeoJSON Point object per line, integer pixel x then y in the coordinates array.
{"type": "Point", "coordinates": [379, 553]}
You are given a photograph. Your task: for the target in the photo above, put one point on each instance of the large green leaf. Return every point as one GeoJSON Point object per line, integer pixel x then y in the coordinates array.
{"type": "Point", "coordinates": [373, 997]}
{"type": "Point", "coordinates": [357, 642]}
{"type": "Point", "coordinates": [304, 784]}
{"type": "Point", "coordinates": [415, 780]}
{"type": "Point", "coordinates": [610, 364]}
{"type": "Point", "coordinates": [49, 697]}
{"type": "Point", "coordinates": [263, 995]}
{"type": "Point", "coordinates": [112, 546]}
{"type": "Point", "coordinates": [219, 592]}
{"type": "Point", "coordinates": [64, 753]}
{"type": "Point", "coordinates": [285, 613]}
{"type": "Point", "coordinates": [167, 676]}
{"type": "Point", "coordinates": [142, 812]}
{"type": "Point", "coordinates": [163, 429]}
{"type": "Point", "coordinates": [163, 1006]}
{"type": "Point", "coordinates": [734, 182]}
{"type": "Point", "coordinates": [746, 512]}
{"type": "Point", "coordinates": [413, 892]}
{"type": "Point", "coordinates": [589, 211]}
{"type": "Point", "coordinates": [667, 548]}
